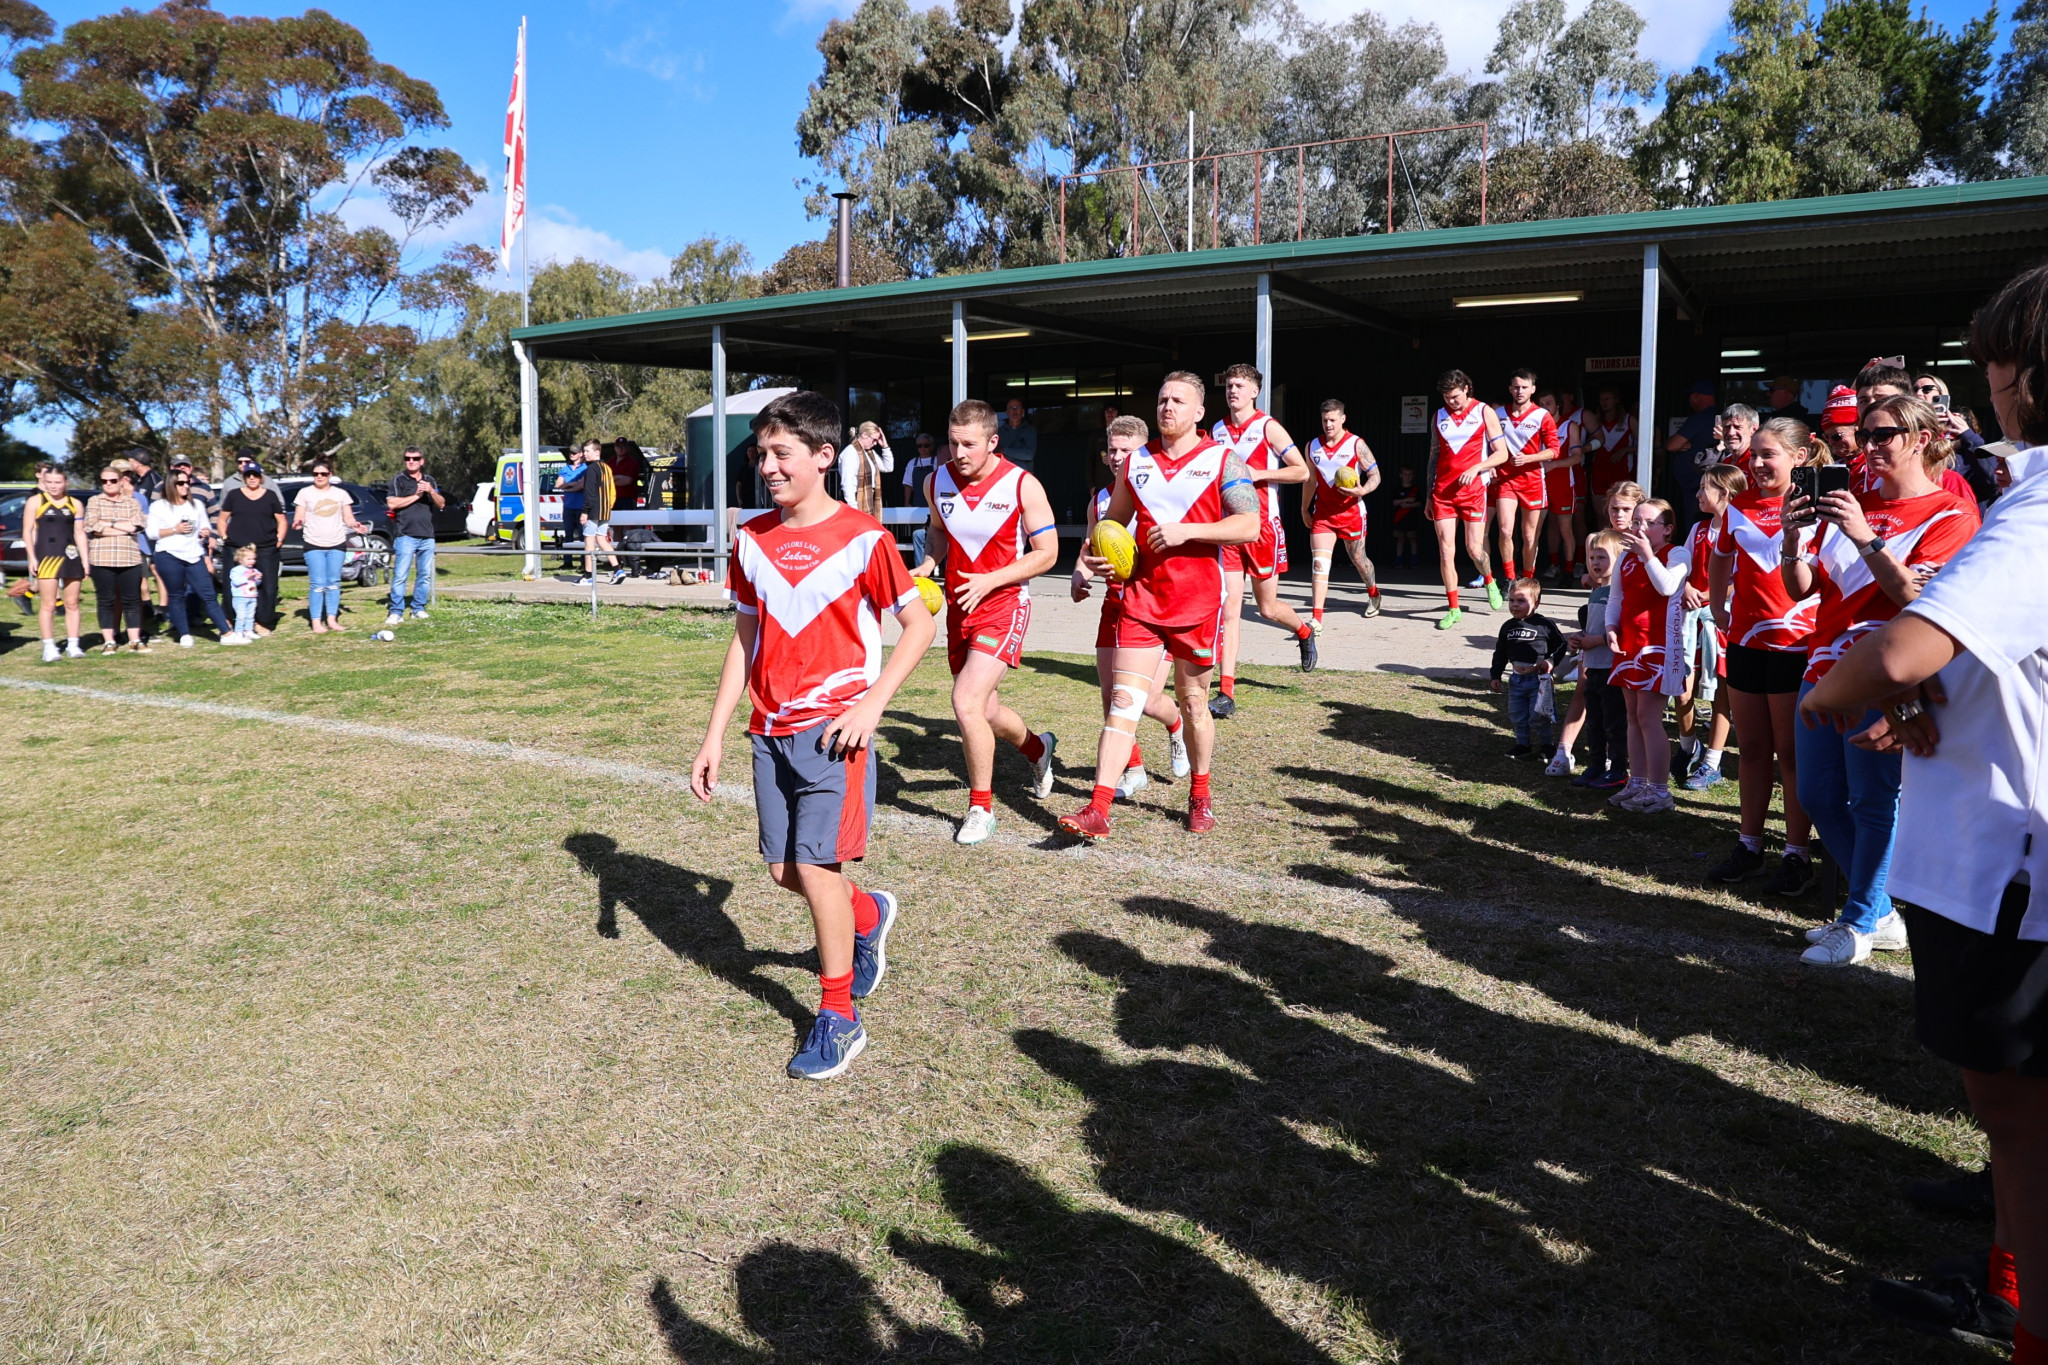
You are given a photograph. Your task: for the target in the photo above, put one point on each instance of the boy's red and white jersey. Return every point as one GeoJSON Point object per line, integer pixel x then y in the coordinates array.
{"type": "Point", "coordinates": [1762, 614]}
{"type": "Point", "coordinates": [1570, 425]}
{"type": "Point", "coordinates": [1533, 432]}
{"type": "Point", "coordinates": [1251, 445]}
{"type": "Point", "coordinates": [1347, 452]}
{"type": "Point", "coordinates": [1918, 532]}
{"type": "Point", "coordinates": [984, 524]}
{"type": "Point", "coordinates": [1182, 585]}
{"type": "Point", "coordinates": [818, 593]}
{"type": "Point", "coordinates": [1460, 442]}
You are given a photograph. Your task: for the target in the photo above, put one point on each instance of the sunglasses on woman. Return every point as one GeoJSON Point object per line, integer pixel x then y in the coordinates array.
{"type": "Point", "coordinates": [1877, 436]}
{"type": "Point", "coordinates": [108, 483]}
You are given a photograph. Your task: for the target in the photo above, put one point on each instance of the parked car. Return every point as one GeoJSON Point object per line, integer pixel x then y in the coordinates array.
{"type": "Point", "coordinates": [368, 558]}
{"type": "Point", "coordinates": [482, 520]}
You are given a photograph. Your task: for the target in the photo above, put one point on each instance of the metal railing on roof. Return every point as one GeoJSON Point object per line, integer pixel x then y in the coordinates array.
{"type": "Point", "coordinates": [1267, 164]}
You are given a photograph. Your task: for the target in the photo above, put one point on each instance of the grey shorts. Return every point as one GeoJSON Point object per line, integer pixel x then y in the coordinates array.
{"type": "Point", "coordinates": [813, 808]}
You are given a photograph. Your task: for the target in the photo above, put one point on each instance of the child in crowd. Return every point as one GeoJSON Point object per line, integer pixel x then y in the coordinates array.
{"type": "Point", "coordinates": [1606, 715]}
{"type": "Point", "coordinates": [1530, 647]}
{"type": "Point", "coordinates": [1705, 645]}
{"type": "Point", "coordinates": [243, 581]}
{"type": "Point", "coordinates": [1407, 517]}
{"type": "Point", "coordinates": [809, 582]}
{"type": "Point", "coordinates": [1645, 615]}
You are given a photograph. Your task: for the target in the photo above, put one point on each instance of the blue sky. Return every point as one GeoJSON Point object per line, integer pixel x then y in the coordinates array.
{"type": "Point", "coordinates": [654, 124]}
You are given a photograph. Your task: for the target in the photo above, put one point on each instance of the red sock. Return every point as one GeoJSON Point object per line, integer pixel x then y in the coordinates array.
{"type": "Point", "coordinates": [1305, 631]}
{"type": "Point", "coordinates": [1508, 569]}
{"type": "Point", "coordinates": [1452, 593]}
{"type": "Point", "coordinates": [1487, 576]}
{"type": "Point", "coordinates": [1136, 760]}
{"type": "Point", "coordinates": [1033, 748]}
{"type": "Point", "coordinates": [837, 995]}
{"type": "Point", "coordinates": [1228, 686]}
{"type": "Point", "coordinates": [2027, 1349]}
{"type": "Point", "coordinates": [1373, 591]}
{"type": "Point", "coordinates": [1174, 728]}
{"type": "Point", "coordinates": [866, 914]}
{"type": "Point", "coordinates": [2004, 1280]}
{"type": "Point", "coordinates": [1198, 787]}
{"type": "Point", "coordinates": [981, 800]}
{"type": "Point", "coordinates": [1102, 798]}
{"type": "Point", "coordinates": [1319, 613]}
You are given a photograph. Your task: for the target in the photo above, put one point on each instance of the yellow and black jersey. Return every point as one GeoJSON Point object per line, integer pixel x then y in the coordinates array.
{"type": "Point", "coordinates": [52, 536]}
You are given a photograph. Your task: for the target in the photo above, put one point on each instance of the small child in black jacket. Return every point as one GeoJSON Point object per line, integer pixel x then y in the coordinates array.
{"type": "Point", "coordinates": [1530, 646]}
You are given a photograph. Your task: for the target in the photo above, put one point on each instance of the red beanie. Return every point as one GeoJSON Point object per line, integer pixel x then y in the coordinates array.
{"type": "Point", "coordinates": [1841, 409]}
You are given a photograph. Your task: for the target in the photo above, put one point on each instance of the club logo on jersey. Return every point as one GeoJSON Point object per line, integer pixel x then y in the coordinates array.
{"type": "Point", "coordinates": [945, 507]}
{"type": "Point", "coordinates": [1138, 479]}
{"type": "Point", "coordinates": [797, 554]}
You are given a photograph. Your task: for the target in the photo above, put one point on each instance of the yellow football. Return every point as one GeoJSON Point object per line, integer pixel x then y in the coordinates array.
{"type": "Point", "coordinates": [1113, 542]}
{"type": "Point", "coordinates": [934, 596]}
{"type": "Point", "coordinates": [1347, 477]}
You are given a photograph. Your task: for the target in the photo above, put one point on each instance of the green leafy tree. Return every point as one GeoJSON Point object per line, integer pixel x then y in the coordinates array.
{"type": "Point", "coordinates": [205, 169]}
{"type": "Point", "coordinates": [2018, 116]}
{"type": "Point", "coordinates": [1771, 120]}
{"type": "Point", "coordinates": [1923, 71]}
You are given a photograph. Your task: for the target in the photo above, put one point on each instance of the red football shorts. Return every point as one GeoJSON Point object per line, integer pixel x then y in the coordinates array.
{"type": "Point", "coordinates": [1194, 644]}
{"type": "Point", "coordinates": [1263, 558]}
{"type": "Point", "coordinates": [1565, 490]}
{"type": "Point", "coordinates": [1527, 488]}
{"type": "Point", "coordinates": [1348, 525]}
{"type": "Point", "coordinates": [1112, 612]}
{"type": "Point", "coordinates": [994, 628]}
{"type": "Point", "coordinates": [1448, 501]}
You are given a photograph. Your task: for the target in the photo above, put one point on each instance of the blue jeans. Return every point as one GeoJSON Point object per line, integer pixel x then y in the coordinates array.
{"type": "Point", "coordinates": [245, 616]}
{"type": "Point", "coordinates": [1522, 690]}
{"type": "Point", "coordinates": [183, 582]}
{"type": "Point", "coordinates": [323, 597]}
{"type": "Point", "coordinates": [1853, 797]}
{"type": "Point", "coordinates": [410, 553]}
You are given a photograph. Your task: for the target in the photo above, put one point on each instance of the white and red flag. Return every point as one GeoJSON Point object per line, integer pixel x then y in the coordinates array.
{"type": "Point", "coordinates": [515, 157]}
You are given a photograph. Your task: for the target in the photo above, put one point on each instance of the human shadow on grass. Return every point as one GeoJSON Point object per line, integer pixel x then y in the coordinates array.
{"type": "Point", "coordinates": [685, 911]}
{"type": "Point", "coordinates": [933, 745]}
{"type": "Point", "coordinates": [1482, 1186]}
{"type": "Point", "coordinates": [1046, 1282]}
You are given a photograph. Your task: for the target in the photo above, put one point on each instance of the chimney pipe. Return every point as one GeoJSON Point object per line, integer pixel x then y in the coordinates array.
{"type": "Point", "coordinates": [842, 275]}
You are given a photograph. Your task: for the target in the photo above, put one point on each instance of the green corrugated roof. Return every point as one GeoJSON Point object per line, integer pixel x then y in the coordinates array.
{"type": "Point", "coordinates": [1664, 225]}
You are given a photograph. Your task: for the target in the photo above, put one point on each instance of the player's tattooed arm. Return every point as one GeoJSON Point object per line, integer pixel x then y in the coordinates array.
{"type": "Point", "coordinates": [1240, 494]}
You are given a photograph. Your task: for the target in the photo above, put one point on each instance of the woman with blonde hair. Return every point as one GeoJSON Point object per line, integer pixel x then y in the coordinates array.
{"type": "Point", "coordinates": [861, 465]}
{"type": "Point", "coordinates": [113, 519]}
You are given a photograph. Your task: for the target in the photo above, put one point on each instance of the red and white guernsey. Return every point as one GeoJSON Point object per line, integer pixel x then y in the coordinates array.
{"type": "Point", "coordinates": [1534, 432]}
{"type": "Point", "coordinates": [1927, 530]}
{"type": "Point", "coordinates": [1348, 452]}
{"type": "Point", "coordinates": [819, 592]}
{"type": "Point", "coordinates": [1460, 442]}
{"type": "Point", "coordinates": [984, 523]}
{"type": "Point", "coordinates": [1251, 445]}
{"type": "Point", "coordinates": [1183, 585]}
{"type": "Point", "coordinates": [1762, 615]}
{"type": "Point", "coordinates": [1701, 551]}
{"type": "Point", "coordinates": [1610, 452]}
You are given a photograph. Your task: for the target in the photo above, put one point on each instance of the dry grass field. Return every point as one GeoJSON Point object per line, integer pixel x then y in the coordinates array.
{"type": "Point", "coordinates": [413, 1012]}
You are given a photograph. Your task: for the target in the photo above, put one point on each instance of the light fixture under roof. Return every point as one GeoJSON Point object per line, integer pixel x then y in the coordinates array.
{"type": "Point", "coordinates": [1742, 369]}
{"type": "Point", "coordinates": [1517, 300]}
{"type": "Point", "coordinates": [1005, 335]}
{"type": "Point", "coordinates": [1740, 355]}
{"type": "Point", "coordinates": [1955, 362]}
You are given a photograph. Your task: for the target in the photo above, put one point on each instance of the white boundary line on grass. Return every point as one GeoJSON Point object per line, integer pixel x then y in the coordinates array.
{"type": "Point", "coordinates": [1610, 937]}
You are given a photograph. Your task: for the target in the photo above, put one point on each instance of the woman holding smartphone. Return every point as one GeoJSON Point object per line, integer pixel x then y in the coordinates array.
{"type": "Point", "coordinates": [1871, 554]}
{"type": "Point", "coordinates": [1767, 631]}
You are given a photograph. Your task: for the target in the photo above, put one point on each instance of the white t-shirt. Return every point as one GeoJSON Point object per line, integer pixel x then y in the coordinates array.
{"type": "Point", "coordinates": [325, 509]}
{"type": "Point", "coordinates": [163, 516]}
{"type": "Point", "coordinates": [1974, 817]}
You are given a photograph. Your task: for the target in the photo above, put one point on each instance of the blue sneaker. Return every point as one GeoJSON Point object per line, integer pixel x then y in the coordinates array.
{"type": "Point", "coordinates": [831, 1048]}
{"type": "Point", "coordinates": [870, 950]}
{"type": "Point", "coordinates": [1614, 779]}
{"type": "Point", "coordinates": [1703, 777]}
{"type": "Point", "coordinates": [1589, 777]}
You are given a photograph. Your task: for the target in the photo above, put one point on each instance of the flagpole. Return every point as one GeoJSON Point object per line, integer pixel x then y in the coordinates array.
{"type": "Point", "coordinates": [529, 379]}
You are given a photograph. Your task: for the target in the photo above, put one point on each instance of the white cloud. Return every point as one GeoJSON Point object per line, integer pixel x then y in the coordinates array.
{"type": "Point", "coordinates": [1676, 32]}
{"type": "Point", "coordinates": [557, 236]}
{"type": "Point", "coordinates": [647, 51]}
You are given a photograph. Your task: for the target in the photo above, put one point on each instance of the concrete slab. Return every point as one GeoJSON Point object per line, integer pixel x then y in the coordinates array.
{"type": "Point", "coordinates": [1402, 639]}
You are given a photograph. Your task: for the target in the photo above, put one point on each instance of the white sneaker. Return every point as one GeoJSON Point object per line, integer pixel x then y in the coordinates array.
{"type": "Point", "coordinates": [1626, 796]}
{"type": "Point", "coordinates": [184, 642]}
{"type": "Point", "coordinates": [419, 616]}
{"type": "Point", "coordinates": [1653, 801]}
{"type": "Point", "coordinates": [394, 619]}
{"type": "Point", "coordinates": [1177, 746]}
{"type": "Point", "coordinates": [1840, 946]}
{"type": "Point", "coordinates": [72, 651]}
{"type": "Point", "coordinates": [1888, 935]}
{"type": "Point", "coordinates": [1316, 626]}
{"type": "Point", "coordinates": [1131, 783]}
{"type": "Point", "coordinates": [1560, 764]}
{"type": "Point", "coordinates": [978, 825]}
{"type": "Point", "coordinates": [232, 638]}
{"type": "Point", "coordinates": [50, 652]}
{"type": "Point", "coordinates": [1041, 771]}
{"type": "Point", "coordinates": [1477, 582]}
{"type": "Point", "coordinates": [585, 581]}
{"type": "Point", "coordinates": [1820, 931]}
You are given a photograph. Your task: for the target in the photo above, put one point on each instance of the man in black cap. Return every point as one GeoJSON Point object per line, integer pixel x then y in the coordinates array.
{"type": "Point", "coordinates": [1783, 400]}
{"type": "Point", "coordinates": [148, 482]}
